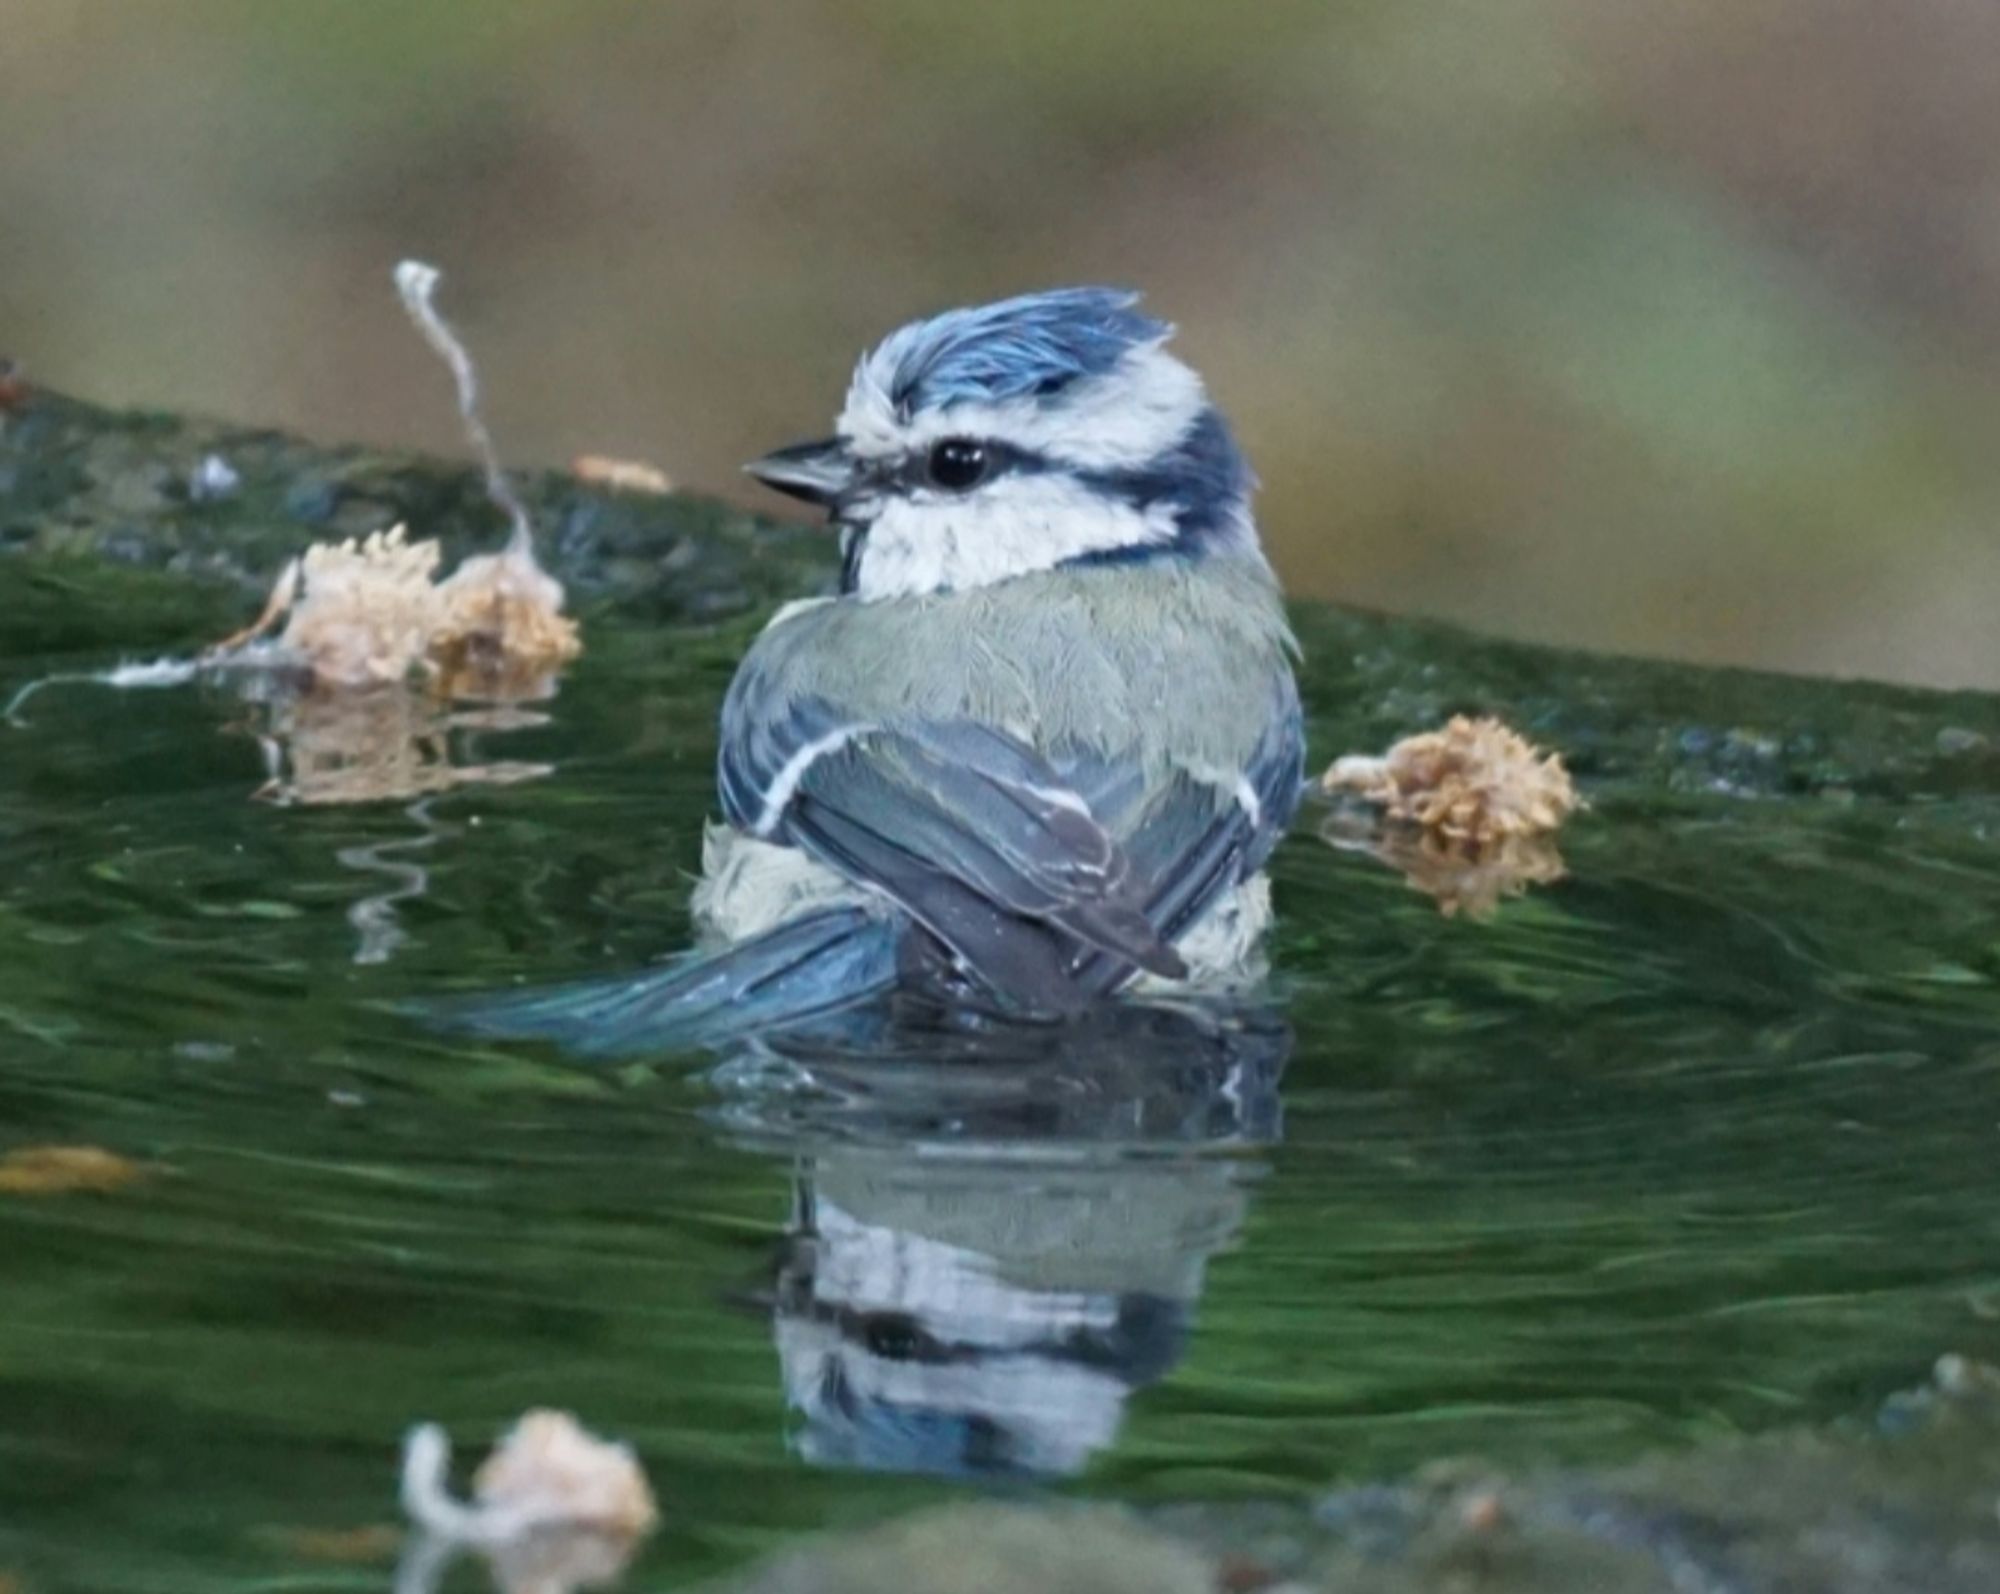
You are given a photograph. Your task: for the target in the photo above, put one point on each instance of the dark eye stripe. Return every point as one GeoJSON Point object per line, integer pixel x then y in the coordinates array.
{"type": "Point", "coordinates": [912, 471]}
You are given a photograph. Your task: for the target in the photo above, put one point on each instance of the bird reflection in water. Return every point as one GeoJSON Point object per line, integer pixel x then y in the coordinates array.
{"type": "Point", "coordinates": [999, 1233]}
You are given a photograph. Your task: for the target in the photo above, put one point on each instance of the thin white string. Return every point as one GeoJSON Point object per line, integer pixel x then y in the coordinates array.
{"type": "Point", "coordinates": [158, 672]}
{"type": "Point", "coordinates": [417, 283]}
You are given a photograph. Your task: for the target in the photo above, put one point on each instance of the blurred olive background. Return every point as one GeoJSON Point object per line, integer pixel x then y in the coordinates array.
{"type": "Point", "coordinates": [1670, 328]}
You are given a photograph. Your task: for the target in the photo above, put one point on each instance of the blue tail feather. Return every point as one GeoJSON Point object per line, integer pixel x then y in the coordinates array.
{"type": "Point", "coordinates": [814, 965]}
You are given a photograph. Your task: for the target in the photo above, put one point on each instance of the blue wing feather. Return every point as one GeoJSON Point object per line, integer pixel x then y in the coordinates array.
{"type": "Point", "coordinates": [1015, 861]}
{"type": "Point", "coordinates": [818, 964]}
{"type": "Point", "coordinates": [1193, 848]}
{"type": "Point", "coordinates": [962, 805]}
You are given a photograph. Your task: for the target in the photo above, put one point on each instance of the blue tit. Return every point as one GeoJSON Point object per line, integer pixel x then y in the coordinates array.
{"type": "Point", "coordinates": [1036, 750]}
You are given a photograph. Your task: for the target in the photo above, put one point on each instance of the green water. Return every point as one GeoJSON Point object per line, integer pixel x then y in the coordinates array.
{"type": "Point", "coordinates": [1704, 1138]}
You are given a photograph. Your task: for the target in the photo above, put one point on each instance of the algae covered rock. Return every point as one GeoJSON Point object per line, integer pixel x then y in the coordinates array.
{"type": "Point", "coordinates": [91, 497]}
{"type": "Point", "coordinates": [992, 1549]}
{"type": "Point", "coordinates": [1913, 1505]}
{"type": "Point", "coordinates": [82, 486]}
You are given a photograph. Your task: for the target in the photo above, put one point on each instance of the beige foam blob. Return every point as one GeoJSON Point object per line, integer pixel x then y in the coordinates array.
{"type": "Point", "coordinates": [547, 1472]}
{"type": "Point", "coordinates": [369, 612]}
{"type": "Point", "coordinates": [1475, 781]}
{"type": "Point", "coordinates": [1468, 878]}
{"type": "Point", "coordinates": [1472, 813]}
{"type": "Point", "coordinates": [501, 630]}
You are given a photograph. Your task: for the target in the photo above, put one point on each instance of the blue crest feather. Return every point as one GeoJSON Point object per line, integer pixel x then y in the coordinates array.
{"type": "Point", "coordinates": [1031, 346]}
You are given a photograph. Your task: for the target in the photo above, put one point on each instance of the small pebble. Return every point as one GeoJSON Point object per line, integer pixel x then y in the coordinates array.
{"type": "Point", "coordinates": [213, 479]}
{"type": "Point", "coordinates": [620, 475]}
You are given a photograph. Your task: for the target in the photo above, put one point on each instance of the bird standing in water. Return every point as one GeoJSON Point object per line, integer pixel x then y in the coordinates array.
{"type": "Point", "coordinates": [1035, 752]}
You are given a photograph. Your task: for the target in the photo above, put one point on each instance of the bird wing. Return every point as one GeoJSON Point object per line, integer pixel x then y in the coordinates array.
{"type": "Point", "coordinates": [1195, 835]}
{"type": "Point", "coordinates": [1010, 859]}
{"type": "Point", "coordinates": [972, 832]}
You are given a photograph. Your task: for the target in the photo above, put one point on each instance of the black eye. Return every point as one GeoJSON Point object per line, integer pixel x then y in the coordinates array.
{"type": "Point", "coordinates": [893, 1336]}
{"type": "Point", "coordinates": [958, 463]}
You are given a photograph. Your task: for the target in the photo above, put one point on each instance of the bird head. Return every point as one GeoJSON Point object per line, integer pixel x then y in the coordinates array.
{"type": "Point", "coordinates": [1048, 430]}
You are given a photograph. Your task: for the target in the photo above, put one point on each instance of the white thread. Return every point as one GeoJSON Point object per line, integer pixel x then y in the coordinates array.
{"type": "Point", "coordinates": [417, 283]}
{"type": "Point", "coordinates": [159, 672]}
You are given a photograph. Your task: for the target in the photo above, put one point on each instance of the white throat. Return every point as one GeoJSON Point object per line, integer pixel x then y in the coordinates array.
{"type": "Point", "coordinates": [1012, 527]}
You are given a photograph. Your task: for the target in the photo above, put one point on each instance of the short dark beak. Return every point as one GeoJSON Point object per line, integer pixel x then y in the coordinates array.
{"type": "Point", "coordinates": [817, 472]}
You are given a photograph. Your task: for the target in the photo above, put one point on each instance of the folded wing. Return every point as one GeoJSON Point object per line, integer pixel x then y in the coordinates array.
{"type": "Point", "coordinates": [1011, 860]}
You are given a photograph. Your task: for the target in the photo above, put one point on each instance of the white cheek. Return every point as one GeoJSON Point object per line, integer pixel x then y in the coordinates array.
{"type": "Point", "coordinates": [1014, 527]}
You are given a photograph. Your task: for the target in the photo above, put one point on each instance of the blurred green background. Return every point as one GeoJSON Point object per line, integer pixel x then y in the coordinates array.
{"type": "Point", "coordinates": [1666, 328]}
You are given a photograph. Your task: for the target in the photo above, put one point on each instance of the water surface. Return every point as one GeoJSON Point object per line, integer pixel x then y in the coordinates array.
{"type": "Point", "coordinates": [1704, 1138]}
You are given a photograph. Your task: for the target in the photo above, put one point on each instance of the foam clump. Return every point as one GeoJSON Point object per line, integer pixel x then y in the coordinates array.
{"type": "Point", "coordinates": [370, 612]}
{"type": "Point", "coordinates": [358, 613]}
{"type": "Point", "coordinates": [501, 628]}
{"type": "Point", "coordinates": [1468, 814]}
{"type": "Point", "coordinates": [547, 1472]}
{"type": "Point", "coordinates": [1476, 781]}
{"type": "Point", "coordinates": [1467, 878]}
